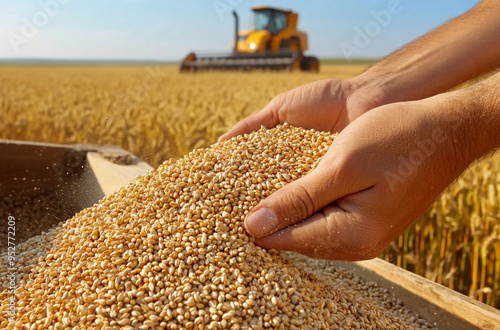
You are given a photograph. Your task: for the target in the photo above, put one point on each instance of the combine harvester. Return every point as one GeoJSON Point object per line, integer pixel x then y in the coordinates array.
{"type": "Point", "coordinates": [274, 44]}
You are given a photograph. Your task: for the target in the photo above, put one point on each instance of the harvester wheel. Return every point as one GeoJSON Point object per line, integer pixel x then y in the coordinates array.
{"type": "Point", "coordinates": [310, 63]}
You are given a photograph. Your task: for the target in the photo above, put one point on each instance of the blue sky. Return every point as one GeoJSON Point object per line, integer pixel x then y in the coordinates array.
{"type": "Point", "coordinates": [168, 30]}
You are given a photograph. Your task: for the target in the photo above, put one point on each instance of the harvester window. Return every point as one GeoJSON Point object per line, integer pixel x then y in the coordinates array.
{"type": "Point", "coordinates": [271, 20]}
{"type": "Point", "coordinates": [279, 22]}
{"type": "Point", "coordinates": [262, 20]}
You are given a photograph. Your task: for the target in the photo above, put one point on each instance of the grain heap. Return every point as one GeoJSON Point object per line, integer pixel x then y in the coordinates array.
{"type": "Point", "coordinates": [359, 292]}
{"type": "Point", "coordinates": [169, 251]}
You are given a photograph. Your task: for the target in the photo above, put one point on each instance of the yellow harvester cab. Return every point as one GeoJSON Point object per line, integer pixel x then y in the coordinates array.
{"type": "Point", "coordinates": [274, 30]}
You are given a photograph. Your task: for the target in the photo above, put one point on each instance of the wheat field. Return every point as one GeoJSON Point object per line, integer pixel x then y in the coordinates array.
{"type": "Point", "coordinates": [157, 113]}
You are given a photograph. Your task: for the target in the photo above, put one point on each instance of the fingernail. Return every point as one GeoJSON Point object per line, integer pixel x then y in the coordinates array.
{"type": "Point", "coordinates": [261, 223]}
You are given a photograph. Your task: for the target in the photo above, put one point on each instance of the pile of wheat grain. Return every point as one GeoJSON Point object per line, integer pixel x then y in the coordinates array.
{"type": "Point", "coordinates": [170, 251]}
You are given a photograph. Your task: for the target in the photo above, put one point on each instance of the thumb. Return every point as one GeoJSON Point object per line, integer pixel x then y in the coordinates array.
{"type": "Point", "coordinates": [293, 203]}
{"type": "Point", "coordinates": [267, 117]}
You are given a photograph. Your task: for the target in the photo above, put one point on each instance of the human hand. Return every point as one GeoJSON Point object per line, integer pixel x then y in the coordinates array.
{"type": "Point", "coordinates": [327, 105]}
{"type": "Point", "coordinates": [379, 175]}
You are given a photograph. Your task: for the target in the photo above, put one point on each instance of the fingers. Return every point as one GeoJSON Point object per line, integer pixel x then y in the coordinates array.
{"type": "Point", "coordinates": [307, 235]}
{"type": "Point", "coordinates": [332, 234]}
{"type": "Point", "coordinates": [294, 202]}
{"type": "Point", "coordinates": [267, 117]}
{"type": "Point", "coordinates": [315, 105]}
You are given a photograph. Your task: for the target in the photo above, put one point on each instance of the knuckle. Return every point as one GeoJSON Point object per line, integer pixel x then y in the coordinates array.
{"type": "Point", "coordinates": [349, 170]}
{"type": "Point", "coordinates": [298, 204]}
{"type": "Point", "coordinates": [279, 103]}
{"type": "Point", "coordinates": [304, 201]}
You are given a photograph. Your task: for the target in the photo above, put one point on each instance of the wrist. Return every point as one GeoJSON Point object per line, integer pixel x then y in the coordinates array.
{"type": "Point", "coordinates": [371, 91]}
